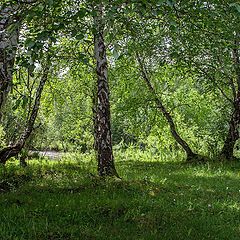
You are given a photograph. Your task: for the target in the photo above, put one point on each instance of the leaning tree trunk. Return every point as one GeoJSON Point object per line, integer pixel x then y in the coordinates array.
{"type": "Point", "coordinates": [103, 136]}
{"type": "Point", "coordinates": [190, 154]}
{"type": "Point", "coordinates": [9, 31]}
{"type": "Point", "coordinates": [14, 149]}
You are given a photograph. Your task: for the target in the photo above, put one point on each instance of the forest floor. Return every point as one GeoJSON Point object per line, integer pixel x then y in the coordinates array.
{"type": "Point", "coordinates": [154, 200]}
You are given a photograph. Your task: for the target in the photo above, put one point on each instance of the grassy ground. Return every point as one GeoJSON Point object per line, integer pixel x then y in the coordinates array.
{"type": "Point", "coordinates": [155, 200]}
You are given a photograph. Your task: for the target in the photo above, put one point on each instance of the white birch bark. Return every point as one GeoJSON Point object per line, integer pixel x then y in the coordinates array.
{"type": "Point", "coordinates": [103, 136]}
{"type": "Point", "coordinates": [9, 31]}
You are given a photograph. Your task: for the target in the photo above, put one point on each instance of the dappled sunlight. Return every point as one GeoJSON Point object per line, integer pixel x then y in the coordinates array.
{"type": "Point", "coordinates": [154, 198]}
{"type": "Point", "coordinates": [119, 120]}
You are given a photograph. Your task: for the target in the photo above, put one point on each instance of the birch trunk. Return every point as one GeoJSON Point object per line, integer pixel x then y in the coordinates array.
{"type": "Point", "coordinates": [233, 133]}
{"type": "Point", "coordinates": [9, 32]}
{"type": "Point", "coordinates": [191, 156]}
{"type": "Point", "coordinates": [103, 136]}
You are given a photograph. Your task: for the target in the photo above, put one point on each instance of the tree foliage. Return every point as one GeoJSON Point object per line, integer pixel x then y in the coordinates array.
{"type": "Point", "coordinates": [179, 57]}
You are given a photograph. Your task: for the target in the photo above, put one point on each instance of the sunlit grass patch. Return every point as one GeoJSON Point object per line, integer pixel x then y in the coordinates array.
{"type": "Point", "coordinates": [154, 200]}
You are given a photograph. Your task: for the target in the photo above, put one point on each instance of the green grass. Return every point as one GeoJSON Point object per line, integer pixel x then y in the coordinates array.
{"type": "Point", "coordinates": [155, 200]}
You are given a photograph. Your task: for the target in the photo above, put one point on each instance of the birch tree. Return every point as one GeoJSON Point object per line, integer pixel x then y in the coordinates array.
{"type": "Point", "coordinates": [103, 135]}
{"type": "Point", "coordinates": [12, 14]}
{"type": "Point", "coordinates": [15, 148]}
{"type": "Point", "coordinates": [9, 33]}
{"type": "Point", "coordinates": [206, 40]}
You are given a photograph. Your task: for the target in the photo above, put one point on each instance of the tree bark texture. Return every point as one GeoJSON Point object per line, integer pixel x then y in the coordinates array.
{"type": "Point", "coordinates": [9, 32]}
{"type": "Point", "coordinates": [14, 149]}
{"type": "Point", "coordinates": [233, 133]}
{"type": "Point", "coordinates": [190, 154]}
{"type": "Point", "coordinates": [103, 134]}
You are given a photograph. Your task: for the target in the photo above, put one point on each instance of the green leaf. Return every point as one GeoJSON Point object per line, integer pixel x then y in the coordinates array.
{"type": "Point", "coordinates": [49, 2]}
{"type": "Point", "coordinates": [24, 101]}
{"type": "Point", "coordinates": [29, 43]}
{"type": "Point", "coordinates": [42, 36]}
{"type": "Point", "coordinates": [15, 107]}
{"type": "Point", "coordinates": [81, 56]}
{"type": "Point", "coordinates": [82, 12]}
{"type": "Point", "coordinates": [79, 36]}
{"type": "Point", "coordinates": [236, 5]}
{"type": "Point", "coordinates": [170, 3]}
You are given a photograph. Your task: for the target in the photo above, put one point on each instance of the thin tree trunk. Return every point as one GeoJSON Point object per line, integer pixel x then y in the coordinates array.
{"type": "Point", "coordinates": [233, 134]}
{"type": "Point", "coordinates": [103, 134]}
{"type": "Point", "coordinates": [190, 154]}
{"type": "Point", "coordinates": [9, 32]}
{"type": "Point", "coordinates": [14, 149]}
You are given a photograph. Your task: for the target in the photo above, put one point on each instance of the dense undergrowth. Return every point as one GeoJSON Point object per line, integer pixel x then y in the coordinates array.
{"type": "Point", "coordinates": [154, 200]}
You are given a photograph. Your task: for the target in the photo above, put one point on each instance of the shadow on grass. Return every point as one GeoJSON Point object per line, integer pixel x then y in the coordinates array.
{"type": "Point", "coordinates": [155, 200]}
